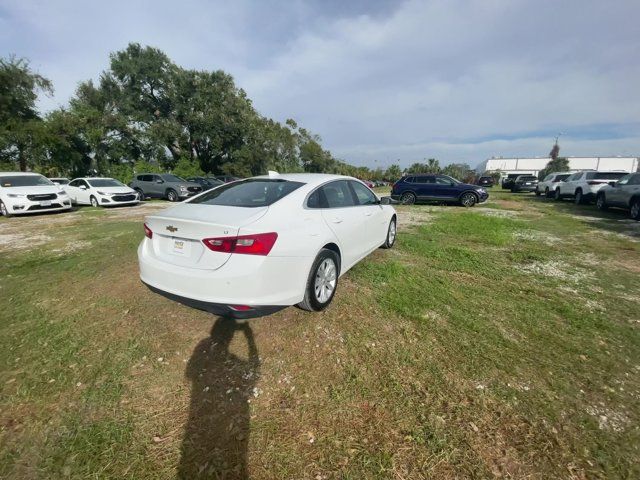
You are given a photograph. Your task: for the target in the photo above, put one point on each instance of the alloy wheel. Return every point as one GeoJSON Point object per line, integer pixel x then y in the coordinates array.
{"type": "Point", "coordinates": [325, 282]}
{"type": "Point", "coordinates": [3, 210]}
{"type": "Point", "coordinates": [468, 200]}
{"type": "Point", "coordinates": [635, 210]}
{"type": "Point", "coordinates": [408, 198]}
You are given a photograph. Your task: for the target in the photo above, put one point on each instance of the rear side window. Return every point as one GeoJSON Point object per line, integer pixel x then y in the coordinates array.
{"type": "Point", "coordinates": [560, 178]}
{"type": "Point", "coordinates": [635, 179]}
{"type": "Point", "coordinates": [248, 193]}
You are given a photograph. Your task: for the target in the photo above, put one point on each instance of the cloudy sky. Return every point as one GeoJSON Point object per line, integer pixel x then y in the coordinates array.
{"type": "Point", "coordinates": [459, 80]}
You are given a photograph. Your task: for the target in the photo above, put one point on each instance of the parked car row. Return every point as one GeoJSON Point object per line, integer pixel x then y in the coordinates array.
{"type": "Point", "coordinates": [413, 188]}
{"type": "Point", "coordinates": [27, 192]}
{"type": "Point", "coordinates": [606, 189]}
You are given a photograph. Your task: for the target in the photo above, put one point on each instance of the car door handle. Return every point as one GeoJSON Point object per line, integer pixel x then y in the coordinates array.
{"type": "Point", "coordinates": [336, 220]}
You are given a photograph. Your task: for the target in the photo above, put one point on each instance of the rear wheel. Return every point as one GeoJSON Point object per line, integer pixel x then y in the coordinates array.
{"type": "Point", "coordinates": [94, 201]}
{"type": "Point", "coordinates": [546, 192]}
{"type": "Point", "coordinates": [322, 281]}
{"type": "Point", "coordinates": [468, 199]}
{"type": "Point", "coordinates": [3, 210]}
{"type": "Point", "coordinates": [578, 197]}
{"type": "Point", "coordinates": [172, 195]}
{"type": "Point", "coordinates": [391, 234]}
{"type": "Point", "coordinates": [601, 202]}
{"type": "Point", "coordinates": [408, 198]}
{"type": "Point", "coordinates": [635, 209]}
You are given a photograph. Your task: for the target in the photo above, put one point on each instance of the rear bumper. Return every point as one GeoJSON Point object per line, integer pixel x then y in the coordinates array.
{"type": "Point", "coordinates": [220, 309]}
{"type": "Point", "coordinates": [525, 188]}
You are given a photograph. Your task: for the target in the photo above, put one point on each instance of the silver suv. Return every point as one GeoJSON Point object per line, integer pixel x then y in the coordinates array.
{"type": "Point", "coordinates": [164, 185]}
{"type": "Point", "coordinates": [624, 194]}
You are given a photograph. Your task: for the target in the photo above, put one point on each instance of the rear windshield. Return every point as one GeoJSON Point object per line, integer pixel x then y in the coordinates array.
{"type": "Point", "coordinates": [248, 193]}
{"type": "Point", "coordinates": [605, 175]}
{"type": "Point", "coordinates": [527, 178]}
{"type": "Point", "coordinates": [105, 182]}
{"type": "Point", "coordinates": [24, 181]}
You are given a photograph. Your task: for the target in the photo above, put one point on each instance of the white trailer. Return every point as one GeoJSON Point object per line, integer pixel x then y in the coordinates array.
{"type": "Point", "coordinates": [532, 165]}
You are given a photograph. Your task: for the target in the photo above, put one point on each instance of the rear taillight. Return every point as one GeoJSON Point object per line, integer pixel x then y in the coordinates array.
{"type": "Point", "coordinates": [147, 231]}
{"type": "Point", "coordinates": [258, 244]}
{"type": "Point", "coordinates": [240, 308]}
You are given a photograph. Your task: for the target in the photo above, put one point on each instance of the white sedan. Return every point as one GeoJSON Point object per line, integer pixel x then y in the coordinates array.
{"type": "Point", "coordinates": [26, 192]}
{"type": "Point", "coordinates": [252, 247]}
{"type": "Point", "coordinates": [106, 192]}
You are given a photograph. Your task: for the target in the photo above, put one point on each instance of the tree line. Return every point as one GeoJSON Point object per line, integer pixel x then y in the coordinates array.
{"type": "Point", "coordinates": [145, 113]}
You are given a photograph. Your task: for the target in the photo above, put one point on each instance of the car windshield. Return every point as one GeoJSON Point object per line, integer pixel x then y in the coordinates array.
{"type": "Point", "coordinates": [248, 193]}
{"type": "Point", "coordinates": [105, 182]}
{"type": "Point", "coordinates": [605, 175]}
{"type": "Point", "coordinates": [24, 181]}
{"type": "Point", "coordinates": [167, 177]}
{"type": "Point", "coordinates": [60, 181]}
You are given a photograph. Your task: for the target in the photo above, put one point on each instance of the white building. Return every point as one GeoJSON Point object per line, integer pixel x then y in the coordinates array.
{"type": "Point", "coordinates": [534, 165]}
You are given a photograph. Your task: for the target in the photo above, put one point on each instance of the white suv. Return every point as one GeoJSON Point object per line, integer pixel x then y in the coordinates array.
{"type": "Point", "coordinates": [550, 183]}
{"type": "Point", "coordinates": [22, 192]}
{"type": "Point", "coordinates": [583, 186]}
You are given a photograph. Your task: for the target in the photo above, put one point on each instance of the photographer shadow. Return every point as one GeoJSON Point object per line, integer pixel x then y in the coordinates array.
{"type": "Point", "coordinates": [217, 431]}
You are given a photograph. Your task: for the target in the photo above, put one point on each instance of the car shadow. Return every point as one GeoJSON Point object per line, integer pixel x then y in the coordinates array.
{"type": "Point", "coordinates": [217, 430]}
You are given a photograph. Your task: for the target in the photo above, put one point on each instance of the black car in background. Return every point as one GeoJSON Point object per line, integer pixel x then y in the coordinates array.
{"type": "Point", "coordinates": [507, 182]}
{"type": "Point", "coordinates": [485, 182]}
{"type": "Point", "coordinates": [525, 183]}
{"type": "Point", "coordinates": [227, 178]}
{"type": "Point", "coordinates": [207, 183]}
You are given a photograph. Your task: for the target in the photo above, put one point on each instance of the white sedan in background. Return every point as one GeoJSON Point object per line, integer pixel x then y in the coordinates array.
{"type": "Point", "coordinates": [26, 192]}
{"type": "Point", "coordinates": [255, 246]}
{"type": "Point", "coordinates": [549, 184]}
{"type": "Point", "coordinates": [105, 192]}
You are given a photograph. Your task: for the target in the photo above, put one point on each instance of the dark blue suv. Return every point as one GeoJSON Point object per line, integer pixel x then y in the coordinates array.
{"type": "Point", "coordinates": [440, 188]}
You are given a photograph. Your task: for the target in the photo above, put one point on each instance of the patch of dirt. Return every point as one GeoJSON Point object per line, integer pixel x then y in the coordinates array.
{"type": "Point", "coordinates": [556, 269]}
{"type": "Point", "coordinates": [537, 236]}
{"type": "Point", "coordinates": [608, 419]}
{"type": "Point", "coordinates": [492, 212]}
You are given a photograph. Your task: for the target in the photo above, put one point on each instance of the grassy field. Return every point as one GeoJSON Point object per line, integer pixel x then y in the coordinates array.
{"type": "Point", "coordinates": [498, 341]}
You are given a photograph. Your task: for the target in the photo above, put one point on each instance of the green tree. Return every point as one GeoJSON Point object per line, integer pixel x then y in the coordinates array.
{"type": "Point", "coordinates": [393, 173]}
{"type": "Point", "coordinates": [559, 164]}
{"type": "Point", "coordinates": [22, 132]}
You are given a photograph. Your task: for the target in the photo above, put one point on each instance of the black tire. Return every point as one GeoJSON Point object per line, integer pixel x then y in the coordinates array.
{"type": "Point", "coordinates": [547, 193]}
{"type": "Point", "coordinates": [537, 192]}
{"type": "Point", "coordinates": [94, 201]}
{"type": "Point", "coordinates": [556, 195]}
{"type": "Point", "coordinates": [313, 296]}
{"type": "Point", "coordinates": [468, 199]}
{"type": "Point", "coordinates": [578, 197]}
{"type": "Point", "coordinates": [140, 193]}
{"type": "Point", "coordinates": [392, 233]}
{"type": "Point", "coordinates": [408, 198]}
{"type": "Point", "coordinates": [4, 211]}
{"type": "Point", "coordinates": [601, 202]}
{"type": "Point", "coordinates": [634, 212]}
{"type": "Point", "coordinates": [172, 195]}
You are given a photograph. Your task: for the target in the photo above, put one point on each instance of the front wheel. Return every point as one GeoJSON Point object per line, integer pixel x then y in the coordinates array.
{"type": "Point", "coordinates": [538, 193]}
{"type": "Point", "coordinates": [557, 195]}
{"type": "Point", "coordinates": [94, 201]}
{"type": "Point", "coordinates": [391, 234]}
{"type": "Point", "coordinates": [546, 192]}
{"type": "Point", "coordinates": [3, 210]}
{"type": "Point", "coordinates": [408, 198]}
{"type": "Point", "coordinates": [172, 196]}
{"type": "Point", "coordinates": [635, 209]}
{"type": "Point", "coordinates": [468, 199]}
{"type": "Point", "coordinates": [601, 202]}
{"type": "Point", "coordinates": [578, 198]}
{"type": "Point", "coordinates": [322, 282]}
{"type": "Point", "coordinates": [140, 193]}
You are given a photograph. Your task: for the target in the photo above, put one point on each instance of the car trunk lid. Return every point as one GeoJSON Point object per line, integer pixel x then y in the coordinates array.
{"type": "Point", "coordinates": [178, 232]}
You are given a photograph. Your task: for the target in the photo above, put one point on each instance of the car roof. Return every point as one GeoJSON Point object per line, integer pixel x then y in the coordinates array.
{"type": "Point", "coordinates": [20, 174]}
{"type": "Point", "coordinates": [94, 178]}
{"type": "Point", "coordinates": [308, 178]}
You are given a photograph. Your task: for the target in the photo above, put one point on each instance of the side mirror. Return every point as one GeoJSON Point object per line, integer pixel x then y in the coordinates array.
{"type": "Point", "coordinates": [82, 187]}
{"type": "Point", "coordinates": [388, 201]}
{"type": "Point", "coordinates": [613, 184]}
